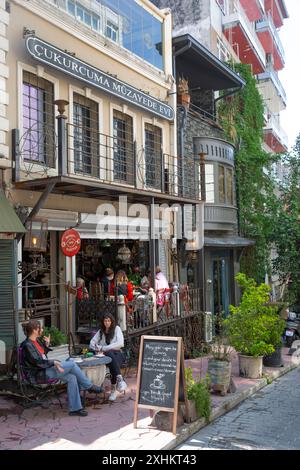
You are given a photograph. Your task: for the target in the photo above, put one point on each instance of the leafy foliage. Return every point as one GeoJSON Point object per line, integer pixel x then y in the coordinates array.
{"type": "Point", "coordinates": [254, 328]}
{"type": "Point", "coordinates": [286, 233]}
{"type": "Point", "coordinates": [198, 390]}
{"type": "Point", "coordinates": [57, 337]}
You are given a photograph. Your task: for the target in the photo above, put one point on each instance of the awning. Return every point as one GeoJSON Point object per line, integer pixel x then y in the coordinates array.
{"type": "Point", "coordinates": [202, 68]}
{"type": "Point", "coordinates": [9, 221]}
{"type": "Point", "coordinates": [230, 242]}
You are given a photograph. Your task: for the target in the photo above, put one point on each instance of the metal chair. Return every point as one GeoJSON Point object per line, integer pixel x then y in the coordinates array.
{"type": "Point", "coordinates": [40, 391]}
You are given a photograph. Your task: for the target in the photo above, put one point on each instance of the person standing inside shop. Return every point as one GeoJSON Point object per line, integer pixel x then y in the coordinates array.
{"type": "Point", "coordinates": [110, 340]}
{"type": "Point", "coordinates": [108, 282]}
{"type": "Point", "coordinates": [124, 286]}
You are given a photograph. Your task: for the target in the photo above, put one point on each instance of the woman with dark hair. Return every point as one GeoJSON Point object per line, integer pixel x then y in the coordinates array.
{"type": "Point", "coordinates": [109, 340]}
{"type": "Point", "coordinates": [41, 369]}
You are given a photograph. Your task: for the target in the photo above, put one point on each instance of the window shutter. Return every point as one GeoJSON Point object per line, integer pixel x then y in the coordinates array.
{"type": "Point", "coordinates": [7, 281]}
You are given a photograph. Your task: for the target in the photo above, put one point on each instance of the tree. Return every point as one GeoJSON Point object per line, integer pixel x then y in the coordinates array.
{"type": "Point", "coordinates": [286, 230]}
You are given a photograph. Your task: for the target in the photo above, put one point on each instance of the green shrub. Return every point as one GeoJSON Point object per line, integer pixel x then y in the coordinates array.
{"type": "Point", "coordinates": [56, 336]}
{"type": "Point", "coordinates": [198, 391]}
{"type": "Point", "coordinates": [254, 328]}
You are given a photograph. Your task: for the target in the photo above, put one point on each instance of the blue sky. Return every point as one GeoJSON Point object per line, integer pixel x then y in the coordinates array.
{"type": "Point", "coordinates": [290, 76]}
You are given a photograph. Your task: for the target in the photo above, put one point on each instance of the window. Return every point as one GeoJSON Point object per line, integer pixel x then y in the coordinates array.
{"type": "Point", "coordinates": [122, 21]}
{"type": "Point", "coordinates": [223, 54]}
{"type": "Point", "coordinates": [38, 120]}
{"type": "Point", "coordinates": [209, 183]}
{"type": "Point", "coordinates": [86, 136]}
{"type": "Point", "coordinates": [225, 185]}
{"type": "Point", "coordinates": [221, 184]}
{"type": "Point", "coordinates": [112, 31]}
{"type": "Point", "coordinates": [153, 156]}
{"type": "Point", "coordinates": [229, 186]}
{"type": "Point", "coordinates": [123, 148]}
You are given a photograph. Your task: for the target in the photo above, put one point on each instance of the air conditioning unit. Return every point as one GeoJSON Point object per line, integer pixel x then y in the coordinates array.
{"type": "Point", "coordinates": [207, 327]}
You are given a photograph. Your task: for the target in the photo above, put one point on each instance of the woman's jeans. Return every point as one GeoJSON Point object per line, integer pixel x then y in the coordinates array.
{"type": "Point", "coordinates": [117, 359]}
{"type": "Point", "coordinates": [75, 379]}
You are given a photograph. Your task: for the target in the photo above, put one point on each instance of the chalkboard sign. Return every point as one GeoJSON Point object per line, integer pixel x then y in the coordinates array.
{"type": "Point", "coordinates": [160, 381]}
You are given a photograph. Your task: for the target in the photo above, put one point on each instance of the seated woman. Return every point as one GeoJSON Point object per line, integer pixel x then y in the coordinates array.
{"type": "Point", "coordinates": [109, 340]}
{"type": "Point", "coordinates": [41, 368]}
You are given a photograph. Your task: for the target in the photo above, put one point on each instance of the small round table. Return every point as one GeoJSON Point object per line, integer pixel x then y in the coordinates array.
{"type": "Point", "coordinates": [95, 368]}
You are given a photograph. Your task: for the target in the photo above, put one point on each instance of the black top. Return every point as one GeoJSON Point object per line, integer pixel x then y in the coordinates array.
{"type": "Point", "coordinates": [34, 363]}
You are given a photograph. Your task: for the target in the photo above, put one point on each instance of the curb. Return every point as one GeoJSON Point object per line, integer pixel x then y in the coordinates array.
{"type": "Point", "coordinates": [188, 430]}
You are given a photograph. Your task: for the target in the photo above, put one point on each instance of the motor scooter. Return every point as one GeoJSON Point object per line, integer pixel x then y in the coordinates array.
{"type": "Point", "coordinates": [292, 329]}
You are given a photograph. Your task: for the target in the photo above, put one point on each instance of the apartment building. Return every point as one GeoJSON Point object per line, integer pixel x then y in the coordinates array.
{"type": "Point", "coordinates": [247, 31]}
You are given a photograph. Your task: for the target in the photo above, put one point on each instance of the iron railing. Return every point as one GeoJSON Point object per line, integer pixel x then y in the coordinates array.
{"type": "Point", "coordinates": [118, 160]}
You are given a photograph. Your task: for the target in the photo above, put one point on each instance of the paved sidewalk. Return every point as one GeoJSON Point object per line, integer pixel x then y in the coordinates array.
{"type": "Point", "coordinates": [109, 426]}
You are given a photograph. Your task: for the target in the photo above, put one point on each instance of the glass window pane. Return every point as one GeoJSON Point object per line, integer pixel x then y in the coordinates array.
{"type": "Point", "coordinates": [209, 183]}
{"type": "Point", "coordinates": [229, 186]}
{"type": "Point", "coordinates": [221, 185]}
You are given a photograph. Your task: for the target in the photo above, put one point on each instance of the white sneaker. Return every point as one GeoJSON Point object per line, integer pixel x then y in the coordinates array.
{"type": "Point", "coordinates": [112, 396]}
{"type": "Point", "coordinates": [121, 385]}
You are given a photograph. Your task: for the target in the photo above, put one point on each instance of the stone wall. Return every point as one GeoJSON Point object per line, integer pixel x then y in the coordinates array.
{"type": "Point", "coordinates": [197, 126]}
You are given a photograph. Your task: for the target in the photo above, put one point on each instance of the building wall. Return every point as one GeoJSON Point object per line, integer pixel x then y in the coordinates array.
{"type": "Point", "coordinates": [190, 17]}
{"type": "Point", "coordinates": [4, 79]}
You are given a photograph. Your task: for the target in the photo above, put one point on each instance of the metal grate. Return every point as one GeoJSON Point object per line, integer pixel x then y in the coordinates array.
{"type": "Point", "coordinates": [86, 136]}
{"type": "Point", "coordinates": [38, 120]}
{"type": "Point", "coordinates": [153, 156]}
{"type": "Point", "coordinates": [123, 148]}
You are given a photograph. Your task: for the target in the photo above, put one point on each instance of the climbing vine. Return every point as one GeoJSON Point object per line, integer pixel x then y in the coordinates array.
{"type": "Point", "coordinates": [242, 119]}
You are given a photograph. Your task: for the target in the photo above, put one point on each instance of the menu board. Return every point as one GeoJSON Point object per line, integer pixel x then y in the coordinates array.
{"type": "Point", "coordinates": [160, 382]}
{"type": "Point", "coordinates": [158, 373]}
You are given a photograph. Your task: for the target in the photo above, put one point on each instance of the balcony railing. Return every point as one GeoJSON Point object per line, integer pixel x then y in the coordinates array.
{"type": "Point", "coordinates": [273, 75]}
{"type": "Point", "coordinates": [236, 15]}
{"type": "Point", "coordinates": [273, 124]}
{"type": "Point", "coordinates": [267, 23]}
{"type": "Point", "coordinates": [115, 159]}
{"type": "Point", "coordinates": [217, 215]}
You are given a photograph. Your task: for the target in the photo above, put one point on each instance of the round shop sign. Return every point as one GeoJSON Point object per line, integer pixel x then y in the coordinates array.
{"type": "Point", "coordinates": [70, 242]}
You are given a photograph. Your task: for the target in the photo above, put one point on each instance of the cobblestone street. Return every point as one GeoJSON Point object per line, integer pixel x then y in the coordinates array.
{"type": "Point", "coordinates": [270, 419]}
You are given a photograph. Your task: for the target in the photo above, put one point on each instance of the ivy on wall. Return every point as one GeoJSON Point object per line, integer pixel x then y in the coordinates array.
{"type": "Point", "coordinates": [241, 116]}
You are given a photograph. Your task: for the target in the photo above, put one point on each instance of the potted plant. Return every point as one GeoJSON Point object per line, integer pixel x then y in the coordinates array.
{"type": "Point", "coordinates": [57, 337]}
{"type": "Point", "coordinates": [275, 359]}
{"type": "Point", "coordinates": [198, 396]}
{"type": "Point", "coordinates": [251, 325]}
{"type": "Point", "coordinates": [219, 365]}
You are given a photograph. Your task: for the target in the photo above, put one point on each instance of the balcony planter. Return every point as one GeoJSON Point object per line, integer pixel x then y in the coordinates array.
{"type": "Point", "coordinates": [184, 99]}
{"type": "Point", "coordinates": [250, 367]}
{"type": "Point", "coordinates": [274, 359]}
{"type": "Point", "coordinates": [219, 373]}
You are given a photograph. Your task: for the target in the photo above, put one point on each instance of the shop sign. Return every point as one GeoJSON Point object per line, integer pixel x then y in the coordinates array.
{"type": "Point", "coordinates": [70, 242]}
{"type": "Point", "coordinates": [50, 55]}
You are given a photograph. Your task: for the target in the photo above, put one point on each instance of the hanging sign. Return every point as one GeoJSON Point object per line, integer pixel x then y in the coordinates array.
{"type": "Point", "coordinates": [51, 55]}
{"type": "Point", "coordinates": [70, 242]}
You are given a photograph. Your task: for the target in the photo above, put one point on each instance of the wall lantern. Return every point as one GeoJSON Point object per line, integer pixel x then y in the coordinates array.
{"type": "Point", "coordinates": [36, 236]}
{"type": "Point", "coordinates": [124, 254]}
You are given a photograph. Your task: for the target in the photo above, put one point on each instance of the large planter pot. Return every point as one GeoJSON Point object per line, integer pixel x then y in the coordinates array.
{"type": "Point", "coordinates": [274, 359]}
{"type": "Point", "coordinates": [219, 373]}
{"type": "Point", "coordinates": [191, 412]}
{"type": "Point", "coordinates": [250, 367]}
